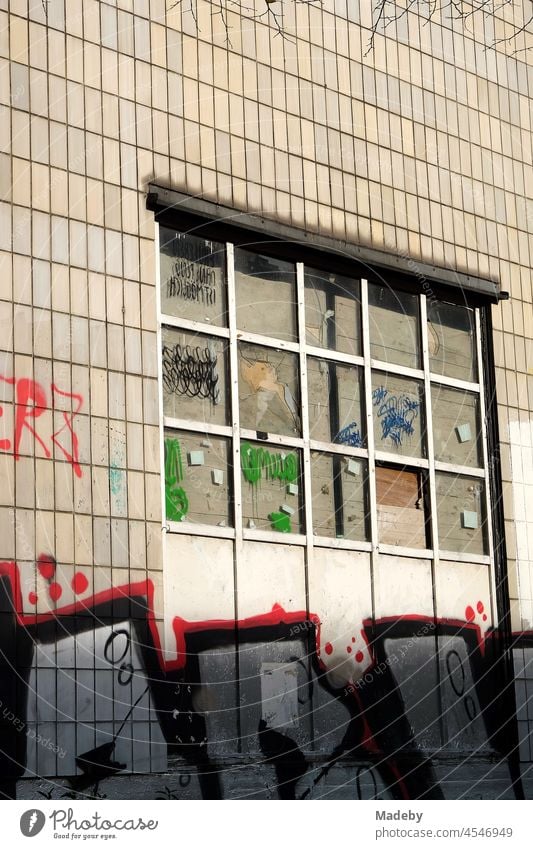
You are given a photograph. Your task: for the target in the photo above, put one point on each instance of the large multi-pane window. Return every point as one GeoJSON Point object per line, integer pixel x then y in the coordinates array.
{"type": "Point", "coordinates": [313, 408]}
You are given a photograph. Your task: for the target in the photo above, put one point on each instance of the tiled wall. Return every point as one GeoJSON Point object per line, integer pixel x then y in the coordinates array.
{"type": "Point", "coordinates": [422, 147]}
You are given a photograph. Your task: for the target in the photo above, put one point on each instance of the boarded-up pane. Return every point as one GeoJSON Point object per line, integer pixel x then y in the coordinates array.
{"type": "Point", "coordinates": [400, 503]}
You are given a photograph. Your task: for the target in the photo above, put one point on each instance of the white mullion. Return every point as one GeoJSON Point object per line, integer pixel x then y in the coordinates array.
{"type": "Point", "coordinates": [159, 343]}
{"type": "Point", "coordinates": [465, 557]}
{"type": "Point", "coordinates": [403, 460]}
{"type": "Point", "coordinates": [274, 536]}
{"type": "Point", "coordinates": [234, 397]}
{"type": "Point", "coordinates": [459, 470]}
{"type": "Point", "coordinates": [454, 382]}
{"type": "Point", "coordinates": [307, 480]}
{"type": "Point", "coordinates": [337, 448]}
{"type": "Point", "coordinates": [406, 551]}
{"type": "Point", "coordinates": [273, 439]}
{"type": "Point", "coordinates": [267, 341]}
{"type": "Point", "coordinates": [336, 543]}
{"type": "Point", "coordinates": [372, 497]}
{"type": "Point", "coordinates": [202, 427]}
{"type": "Point", "coordinates": [434, 563]}
{"type": "Point", "coordinates": [430, 444]}
{"type": "Point", "coordinates": [193, 326]}
{"type": "Point", "coordinates": [402, 371]}
{"type": "Point", "coordinates": [337, 356]}
{"type": "Point", "coordinates": [201, 530]}
{"type": "Point", "coordinates": [488, 505]}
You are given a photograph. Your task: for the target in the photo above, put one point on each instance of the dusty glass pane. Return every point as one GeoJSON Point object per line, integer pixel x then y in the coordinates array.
{"type": "Point", "coordinates": [339, 492]}
{"type": "Point", "coordinates": [332, 312]}
{"type": "Point", "coordinates": [335, 413]}
{"type": "Point", "coordinates": [197, 478]}
{"type": "Point", "coordinates": [452, 340]}
{"type": "Point", "coordinates": [461, 513]}
{"type": "Point", "coordinates": [394, 326]}
{"type": "Point", "coordinates": [456, 426]}
{"type": "Point", "coordinates": [401, 497]}
{"type": "Point", "coordinates": [265, 291]}
{"type": "Point", "coordinates": [398, 414]}
{"type": "Point", "coordinates": [271, 488]}
{"type": "Point", "coordinates": [194, 376]}
{"type": "Point", "coordinates": [193, 277]}
{"type": "Point", "coordinates": [269, 394]}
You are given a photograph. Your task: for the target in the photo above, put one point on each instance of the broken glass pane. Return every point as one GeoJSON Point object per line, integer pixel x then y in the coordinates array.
{"type": "Point", "coordinates": [265, 292]}
{"type": "Point", "coordinates": [197, 478]}
{"type": "Point", "coordinates": [461, 513]}
{"type": "Point", "coordinates": [398, 414]}
{"type": "Point", "coordinates": [194, 376]}
{"type": "Point", "coordinates": [335, 412]}
{"type": "Point", "coordinates": [339, 496]}
{"type": "Point", "coordinates": [394, 326]}
{"type": "Point", "coordinates": [456, 426]}
{"type": "Point", "coordinates": [193, 277]}
{"type": "Point", "coordinates": [271, 488]}
{"type": "Point", "coordinates": [332, 312]}
{"type": "Point", "coordinates": [452, 340]}
{"type": "Point", "coordinates": [269, 392]}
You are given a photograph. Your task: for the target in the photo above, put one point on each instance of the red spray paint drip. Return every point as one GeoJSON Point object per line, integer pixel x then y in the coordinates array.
{"type": "Point", "coordinates": [55, 591]}
{"type": "Point", "coordinates": [46, 566]}
{"type": "Point", "coordinates": [79, 583]}
{"type": "Point", "coordinates": [470, 614]}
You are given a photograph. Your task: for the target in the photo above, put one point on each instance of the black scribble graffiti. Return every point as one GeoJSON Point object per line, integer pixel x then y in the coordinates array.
{"type": "Point", "coordinates": [191, 372]}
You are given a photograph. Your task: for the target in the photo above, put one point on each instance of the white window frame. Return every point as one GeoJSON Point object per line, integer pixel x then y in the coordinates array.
{"type": "Point", "coordinates": [306, 445]}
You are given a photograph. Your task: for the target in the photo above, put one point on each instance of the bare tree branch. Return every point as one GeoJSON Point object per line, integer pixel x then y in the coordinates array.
{"type": "Point", "coordinates": [385, 14]}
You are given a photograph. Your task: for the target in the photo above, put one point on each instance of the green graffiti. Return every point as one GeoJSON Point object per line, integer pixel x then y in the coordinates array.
{"type": "Point", "coordinates": [280, 522]}
{"type": "Point", "coordinates": [176, 501]}
{"type": "Point", "coordinates": [277, 466]}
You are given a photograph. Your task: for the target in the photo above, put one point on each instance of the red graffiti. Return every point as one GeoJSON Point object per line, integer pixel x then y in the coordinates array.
{"type": "Point", "coordinates": [31, 401]}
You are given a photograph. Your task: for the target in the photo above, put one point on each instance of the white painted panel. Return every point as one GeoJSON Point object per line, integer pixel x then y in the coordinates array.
{"type": "Point", "coordinates": [402, 586]}
{"type": "Point", "coordinates": [199, 585]}
{"type": "Point", "coordinates": [521, 437]}
{"type": "Point", "coordinates": [463, 593]}
{"type": "Point", "coordinates": [340, 595]}
{"type": "Point", "coordinates": [269, 575]}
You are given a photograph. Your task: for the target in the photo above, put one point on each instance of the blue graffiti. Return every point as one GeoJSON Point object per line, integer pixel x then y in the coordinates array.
{"type": "Point", "coordinates": [378, 395]}
{"type": "Point", "coordinates": [397, 414]}
{"type": "Point", "coordinates": [350, 435]}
